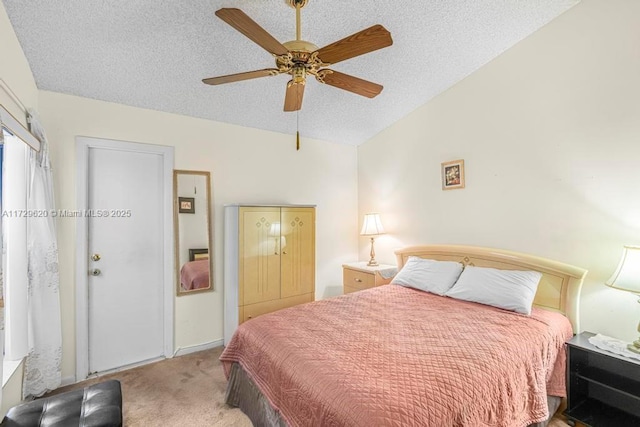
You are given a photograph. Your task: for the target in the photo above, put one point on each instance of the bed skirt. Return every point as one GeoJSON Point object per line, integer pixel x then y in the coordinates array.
{"type": "Point", "coordinates": [244, 394]}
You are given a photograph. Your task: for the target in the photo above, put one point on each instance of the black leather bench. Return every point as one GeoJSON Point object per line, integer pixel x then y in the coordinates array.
{"type": "Point", "coordinates": [97, 405]}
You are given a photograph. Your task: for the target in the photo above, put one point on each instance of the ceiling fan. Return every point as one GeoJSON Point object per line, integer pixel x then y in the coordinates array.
{"type": "Point", "coordinates": [300, 58]}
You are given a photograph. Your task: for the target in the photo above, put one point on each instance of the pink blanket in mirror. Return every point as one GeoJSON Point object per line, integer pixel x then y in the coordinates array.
{"type": "Point", "coordinates": [195, 274]}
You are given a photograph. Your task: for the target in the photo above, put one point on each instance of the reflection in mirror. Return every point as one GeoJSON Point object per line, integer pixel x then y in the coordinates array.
{"type": "Point", "coordinates": [193, 234]}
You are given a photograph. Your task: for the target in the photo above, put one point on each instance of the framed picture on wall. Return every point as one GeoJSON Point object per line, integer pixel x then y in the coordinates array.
{"type": "Point", "coordinates": [198, 254]}
{"type": "Point", "coordinates": [186, 205]}
{"type": "Point", "coordinates": [453, 175]}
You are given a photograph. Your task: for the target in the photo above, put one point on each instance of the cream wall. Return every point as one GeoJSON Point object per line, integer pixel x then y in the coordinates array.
{"type": "Point", "coordinates": [550, 135]}
{"type": "Point", "coordinates": [246, 165]}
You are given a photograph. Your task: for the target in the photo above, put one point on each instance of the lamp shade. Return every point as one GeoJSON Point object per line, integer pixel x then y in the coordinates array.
{"type": "Point", "coordinates": [274, 230]}
{"type": "Point", "coordinates": [372, 225]}
{"type": "Point", "coordinates": [627, 275]}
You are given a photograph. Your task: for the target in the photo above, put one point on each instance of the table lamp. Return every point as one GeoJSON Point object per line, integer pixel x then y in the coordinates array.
{"type": "Point", "coordinates": [275, 232]}
{"type": "Point", "coordinates": [627, 278]}
{"type": "Point", "coordinates": [372, 226]}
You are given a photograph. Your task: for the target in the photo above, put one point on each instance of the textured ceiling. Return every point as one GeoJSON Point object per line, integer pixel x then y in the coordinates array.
{"type": "Point", "coordinates": [154, 54]}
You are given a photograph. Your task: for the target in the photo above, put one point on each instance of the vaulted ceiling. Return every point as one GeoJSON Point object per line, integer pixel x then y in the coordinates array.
{"type": "Point", "coordinates": [154, 55]}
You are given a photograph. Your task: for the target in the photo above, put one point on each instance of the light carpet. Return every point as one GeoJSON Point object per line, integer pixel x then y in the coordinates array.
{"type": "Point", "coordinates": [186, 391]}
{"type": "Point", "coordinates": [183, 391]}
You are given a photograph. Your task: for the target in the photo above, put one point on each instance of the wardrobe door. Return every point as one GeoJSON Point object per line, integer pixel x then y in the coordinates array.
{"type": "Point", "coordinates": [298, 263]}
{"type": "Point", "coordinates": [259, 263]}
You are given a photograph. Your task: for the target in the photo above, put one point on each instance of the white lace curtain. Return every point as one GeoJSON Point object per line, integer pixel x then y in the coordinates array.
{"type": "Point", "coordinates": [43, 364]}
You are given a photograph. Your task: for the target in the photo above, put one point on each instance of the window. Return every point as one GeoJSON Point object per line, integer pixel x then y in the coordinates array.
{"type": "Point", "coordinates": [15, 141]}
{"type": "Point", "coordinates": [14, 235]}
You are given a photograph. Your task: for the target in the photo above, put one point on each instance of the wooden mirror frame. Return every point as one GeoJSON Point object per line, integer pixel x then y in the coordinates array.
{"type": "Point", "coordinates": [177, 211]}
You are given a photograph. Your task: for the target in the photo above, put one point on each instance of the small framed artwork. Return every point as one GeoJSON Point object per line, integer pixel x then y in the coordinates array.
{"type": "Point", "coordinates": [198, 254]}
{"type": "Point", "coordinates": [186, 205]}
{"type": "Point", "coordinates": [453, 175]}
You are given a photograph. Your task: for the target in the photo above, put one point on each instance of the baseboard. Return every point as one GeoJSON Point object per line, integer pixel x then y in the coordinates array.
{"type": "Point", "coordinates": [181, 351]}
{"type": "Point", "coordinates": [67, 381]}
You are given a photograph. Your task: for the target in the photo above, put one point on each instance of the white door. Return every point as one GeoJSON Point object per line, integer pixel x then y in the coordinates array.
{"type": "Point", "coordinates": [126, 232]}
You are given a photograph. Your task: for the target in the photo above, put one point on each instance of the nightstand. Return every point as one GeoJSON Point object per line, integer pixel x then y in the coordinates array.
{"type": "Point", "coordinates": [603, 388]}
{"type": "Point", "coordinates": [358, 276]}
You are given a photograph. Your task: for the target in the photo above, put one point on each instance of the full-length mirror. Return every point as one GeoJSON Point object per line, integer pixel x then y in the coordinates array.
{"type": "Point", "coordinates": [193, 233]}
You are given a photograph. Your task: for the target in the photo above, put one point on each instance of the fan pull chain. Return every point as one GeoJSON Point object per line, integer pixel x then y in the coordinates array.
{"type": "Point", "coordinates": [297, 131]}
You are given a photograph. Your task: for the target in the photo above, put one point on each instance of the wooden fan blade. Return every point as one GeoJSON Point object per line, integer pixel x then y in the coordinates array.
{"type": "Point", "coordinates": [293, 99]}
{"type": "Point", "coordinates": [247, 26]}
{"type": "Point", "coordinates": [241, 76]}
{"type": "Point", "coordinates": [365, 41]}
{"type": "Point", "coordinates": [352, 84]}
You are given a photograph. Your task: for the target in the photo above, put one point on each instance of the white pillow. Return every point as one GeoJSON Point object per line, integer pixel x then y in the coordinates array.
{"type": "Point", "coordinates": [428, 275]}
{"type": "Point", "coordinates": [508, 289]}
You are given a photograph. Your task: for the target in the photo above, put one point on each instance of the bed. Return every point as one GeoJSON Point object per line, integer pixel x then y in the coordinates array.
{"type": "Point", "coordinates": [397, 356]}
{"type": "Point", "coordinates": [194, 274]}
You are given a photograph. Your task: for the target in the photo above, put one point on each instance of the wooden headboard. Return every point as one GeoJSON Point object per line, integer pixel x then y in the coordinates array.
{"type": "Point", "coordinates": [559, 287]}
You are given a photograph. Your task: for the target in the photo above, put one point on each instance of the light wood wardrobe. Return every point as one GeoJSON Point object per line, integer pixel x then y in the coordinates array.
{"type": "Point", "coordinates": [269, 260]}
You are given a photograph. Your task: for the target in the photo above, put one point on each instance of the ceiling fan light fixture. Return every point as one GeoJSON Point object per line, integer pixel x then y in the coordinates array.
{"type": "Point", "coordinates": [299, 74]}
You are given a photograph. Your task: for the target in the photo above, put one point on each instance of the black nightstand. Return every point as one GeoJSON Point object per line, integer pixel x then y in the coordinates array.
{"type": "Point", "coordinates": [603, 389]}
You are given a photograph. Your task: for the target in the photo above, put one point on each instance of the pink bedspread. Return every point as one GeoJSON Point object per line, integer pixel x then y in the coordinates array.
{"type": "Point", "coordinates": [195, 274]}
{"type": "Point", "coordinates": [394, 356]}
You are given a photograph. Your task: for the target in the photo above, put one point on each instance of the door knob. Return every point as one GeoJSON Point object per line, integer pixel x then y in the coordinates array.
{"type": "Point", "coordinates": [95, 272]}
{"type": "Point", "coordinates": [95, 257]}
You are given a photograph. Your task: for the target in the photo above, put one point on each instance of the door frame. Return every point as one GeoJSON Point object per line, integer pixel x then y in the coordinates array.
{"type": "Point", "coordinates": [83, 144]}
